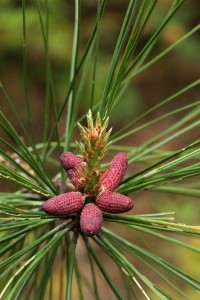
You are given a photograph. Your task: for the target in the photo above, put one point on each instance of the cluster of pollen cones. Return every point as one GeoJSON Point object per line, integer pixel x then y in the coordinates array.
{"type": "Point", "coordinates": [81, 203]}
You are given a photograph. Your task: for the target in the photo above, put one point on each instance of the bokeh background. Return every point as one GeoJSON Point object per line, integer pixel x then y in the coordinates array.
{"type": "Point", "coordinates": [179, 68]}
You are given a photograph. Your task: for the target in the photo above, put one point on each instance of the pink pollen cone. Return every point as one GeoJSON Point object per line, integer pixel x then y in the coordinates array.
{"type": "Point", "coordinates": [91, 219]}
{"type": "Point", "coordinates": [112, 177]}
{"type": "Point", "coordinates": [112, 202]}
{"type": "Point", "coordinates": [76, 175]}
{"type": "Point", "coordinates": [64, 204]}
{"type": "Point", "coordinates": [69, 160]}
{"type": "Point", "coordinates": [74, 165]}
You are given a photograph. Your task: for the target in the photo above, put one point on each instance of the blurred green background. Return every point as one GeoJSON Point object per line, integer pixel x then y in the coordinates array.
{"type": "Point", "coordinates": [167, 76]}
{"type": "Point", "coordinates": [173, 72]}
